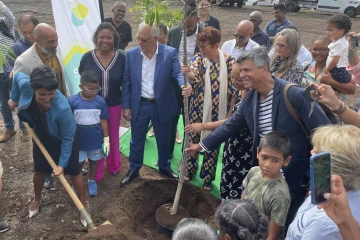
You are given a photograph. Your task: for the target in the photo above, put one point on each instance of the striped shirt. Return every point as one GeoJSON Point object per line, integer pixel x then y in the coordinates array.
{"type": "Point", "coordinates": [5, 41]}
{"type": "Point", "coordinates": [265, 113]}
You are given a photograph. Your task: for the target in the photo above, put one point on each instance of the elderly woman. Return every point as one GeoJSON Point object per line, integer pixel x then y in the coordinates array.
{"type": "Point", "coordinates": [109, 64]}
{"type": "Point", "coordinates": [314, 70]}
{"type": "Point", "coordinates": [284, 63]}
{"type": "Point", "coordinates": [210, 100]}
{"type": "Point", "coordinates": [194, 229]}
{"type": "Point", "coordinates": [48, 112]}
{"type": "Point", "coordinates": [342, 142]}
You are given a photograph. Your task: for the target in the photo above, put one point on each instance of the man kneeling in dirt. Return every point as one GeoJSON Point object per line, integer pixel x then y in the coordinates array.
{"type": "Point", "coordinates": [3, 225]}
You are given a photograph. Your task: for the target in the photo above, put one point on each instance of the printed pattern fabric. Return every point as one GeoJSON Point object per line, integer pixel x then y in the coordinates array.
{"type": "Point", "coordinates": [208, 169]}
{"type": "Point", "coordinates": [236, 163]}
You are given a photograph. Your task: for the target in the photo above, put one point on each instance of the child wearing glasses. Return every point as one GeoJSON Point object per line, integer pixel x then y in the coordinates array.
{"type": "Point", "coordinates": [91, 114]}
{"type": "Point", "coordinates": [336, 28]}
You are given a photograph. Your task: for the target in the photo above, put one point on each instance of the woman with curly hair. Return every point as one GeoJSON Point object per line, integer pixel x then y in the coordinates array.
{"type": "Point", "coordinates": [109, 64]}
{"type": "Point", "coordinates": [240, 220]}
{"type": "Point", "coordinates": [284, 63]}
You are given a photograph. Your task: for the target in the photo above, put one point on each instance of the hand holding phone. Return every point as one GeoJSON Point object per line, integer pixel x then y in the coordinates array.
{"type": "Point", "coordinates": [312, 92]}
{"type": "Point", "coordinates": [320, 177]}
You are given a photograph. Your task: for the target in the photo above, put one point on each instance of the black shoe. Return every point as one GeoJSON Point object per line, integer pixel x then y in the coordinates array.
{"type": "Point", "coordinates": [128, 178]}
{"type": "Point", "coordinates": [168, 173]}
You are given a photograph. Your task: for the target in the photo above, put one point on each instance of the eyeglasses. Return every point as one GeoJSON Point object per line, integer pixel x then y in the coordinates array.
{"type": "Point", "coordinates": [279, 45]}
{"type": "Point", "coordinates": [93, 91]}
{"type": "Point", "coordinates": [204, 48]}
{"type": "Point", "coordinates": [320, 50]}
{"type": "Point", "coordinates": [27, 33]}
{"type": "Point", "coordinates": [144, 40]}
{"type": "Point", "coordinates": [239, 37]}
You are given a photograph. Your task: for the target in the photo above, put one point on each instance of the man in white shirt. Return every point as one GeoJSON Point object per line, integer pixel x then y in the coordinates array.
{"type": "Point", "coordinates": [148, 94]}
{"type": "Point", "coordinates": [242, 41]}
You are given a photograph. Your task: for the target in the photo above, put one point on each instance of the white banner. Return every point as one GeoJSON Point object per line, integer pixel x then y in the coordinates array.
{"type": "Point", "coordinates": [76, 22]}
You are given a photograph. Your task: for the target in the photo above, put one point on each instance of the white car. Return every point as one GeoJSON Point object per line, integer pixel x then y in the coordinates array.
{"type": "Point", "coordinates": [267, 2]}
{"type": "Point", "coordinates": [251, 2]}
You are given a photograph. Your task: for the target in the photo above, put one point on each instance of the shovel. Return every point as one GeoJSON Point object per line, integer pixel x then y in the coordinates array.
{"type": "Point", "coordinates": [63, 180]}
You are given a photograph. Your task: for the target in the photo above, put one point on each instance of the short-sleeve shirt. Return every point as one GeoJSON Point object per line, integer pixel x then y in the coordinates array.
{"type": "Point", "coordinates": [272, 29]}
{"type": "Point", "coordinates": [229, 47]}
{"type": "Point", "coordinates": [124, 30]}
{"type": "Point", "coordinates": [272, 197]}
{"type": "Point", "coordinates": [339, 48]}
{"type": "Point", "coordinates": [262, 39]}
{"type": "Point", "coordinates": [88, 114]}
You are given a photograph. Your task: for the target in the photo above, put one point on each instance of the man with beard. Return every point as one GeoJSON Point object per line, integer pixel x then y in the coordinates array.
{"type": "Point", "coordinates": [44, 51]}
{"type": "Point", "coordinates": [122, 27]}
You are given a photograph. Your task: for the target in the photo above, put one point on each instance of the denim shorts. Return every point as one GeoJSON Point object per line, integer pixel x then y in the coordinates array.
{"type": "Point", "coordinates": [94, 155]}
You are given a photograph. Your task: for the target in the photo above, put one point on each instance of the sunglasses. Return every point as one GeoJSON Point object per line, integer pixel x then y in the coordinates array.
{"type": "Point", "coordinates": [239, 37]}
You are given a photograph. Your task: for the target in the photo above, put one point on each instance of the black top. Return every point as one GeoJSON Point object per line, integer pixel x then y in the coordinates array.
{"type": "Point", "coordinates": [124, 31]}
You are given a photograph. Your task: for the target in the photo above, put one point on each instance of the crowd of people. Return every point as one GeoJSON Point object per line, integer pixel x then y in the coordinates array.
{"type": "Point", "coordinates": [251, 93]}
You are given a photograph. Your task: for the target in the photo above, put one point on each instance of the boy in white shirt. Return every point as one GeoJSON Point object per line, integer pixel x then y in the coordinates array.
{"type": "Point", "coordinates": [336, 28]}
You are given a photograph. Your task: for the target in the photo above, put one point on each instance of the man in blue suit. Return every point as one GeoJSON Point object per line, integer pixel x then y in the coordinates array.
{"type": "Point", "coordinates": [148, 94]}
{"type": "Point", "coordinates": [264, 110]}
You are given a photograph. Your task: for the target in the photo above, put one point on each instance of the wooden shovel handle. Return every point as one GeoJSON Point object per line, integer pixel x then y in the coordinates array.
{"type": "Point", "coordinates": [63, 180]}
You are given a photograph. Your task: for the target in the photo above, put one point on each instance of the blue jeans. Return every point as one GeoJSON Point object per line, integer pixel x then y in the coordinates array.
{"type": "Point", "coordinates": [5, 88]}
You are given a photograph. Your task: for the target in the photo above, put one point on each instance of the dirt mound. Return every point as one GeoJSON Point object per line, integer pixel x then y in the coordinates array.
{"type": "Point", "coordinates": [133, 212]}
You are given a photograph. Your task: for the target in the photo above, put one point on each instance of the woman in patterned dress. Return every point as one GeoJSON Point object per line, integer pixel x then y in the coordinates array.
{"type": "Point", "coordinates": [237, 150]}
{"type": "Point", "coordinates": [210, 77]}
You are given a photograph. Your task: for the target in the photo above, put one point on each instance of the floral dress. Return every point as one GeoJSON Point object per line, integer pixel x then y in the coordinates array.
{"type": "Point", "coordinates": [208, 169]}
{"type": "Point", "coordinates": [236, 163]}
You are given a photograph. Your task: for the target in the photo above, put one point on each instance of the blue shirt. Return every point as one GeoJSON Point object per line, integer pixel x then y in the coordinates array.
{"type": "Point", "coordinates": [262, 39]}
{"type": "Point", "coordinates": [312, 223]}
{"type": "Point", "coordinates": [272, 29]}
{"type": "Point", "coordinates": [111, 77]}
{"type": "Point", "coordinates": [18, 47]}
{"type": "Point", "coordinates": [88, 114]}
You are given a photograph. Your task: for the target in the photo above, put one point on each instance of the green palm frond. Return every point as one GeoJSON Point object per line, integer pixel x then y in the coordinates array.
{"type": "Point", "coordinates": [6, 53]}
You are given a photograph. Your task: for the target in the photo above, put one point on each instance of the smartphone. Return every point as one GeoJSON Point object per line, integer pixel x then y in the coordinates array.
{"type": "Point", "coordinates": [320, 177]}
{"type": "Point", "coordinates": [352, 47]}
{"type": "Point", "coordinates": [312, 92]}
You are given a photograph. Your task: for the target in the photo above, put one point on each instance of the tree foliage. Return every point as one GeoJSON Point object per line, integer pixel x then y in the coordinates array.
{"type": "Point", "coordinates": [6, 53]}
{"type": "Point", "coordinates": [153, 12]}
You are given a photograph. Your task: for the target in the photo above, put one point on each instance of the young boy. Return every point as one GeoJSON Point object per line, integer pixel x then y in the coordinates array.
{"type": "Point", "coordinates": [265, 184]}
{"type": "Point", "coordinates": [91, 116]}
{"type": "Point", "coordinates": [3, 225]}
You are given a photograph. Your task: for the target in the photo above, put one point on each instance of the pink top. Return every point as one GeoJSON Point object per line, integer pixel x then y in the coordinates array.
{"type": "Point", "coordinates": [355, 72]}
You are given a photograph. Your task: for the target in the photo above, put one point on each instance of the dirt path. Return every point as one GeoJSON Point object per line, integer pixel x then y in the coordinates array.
{"type": "Point", "coordinates": [130, 209]}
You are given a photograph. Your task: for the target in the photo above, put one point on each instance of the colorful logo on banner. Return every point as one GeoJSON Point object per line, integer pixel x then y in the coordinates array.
{"type": "Point", "coordinates": [78, 12]}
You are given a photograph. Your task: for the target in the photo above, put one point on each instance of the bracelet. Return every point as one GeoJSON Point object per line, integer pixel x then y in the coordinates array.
{"type": "Point", "coordinates": [341, 109]}
{"type": "Point", "coordinates": [343, 112]}
{"type": "Point", "coordinates": [337, 108]}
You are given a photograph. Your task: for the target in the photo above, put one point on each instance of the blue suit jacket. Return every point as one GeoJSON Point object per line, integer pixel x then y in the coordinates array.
{"type": "Point", "coordinates": [296, 173]}
{"type": "Point", "coordinates": [167, 66]}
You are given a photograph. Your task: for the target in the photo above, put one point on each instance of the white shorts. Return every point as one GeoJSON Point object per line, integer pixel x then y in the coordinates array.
{"type": "Point", "coordinates": [94, 155]}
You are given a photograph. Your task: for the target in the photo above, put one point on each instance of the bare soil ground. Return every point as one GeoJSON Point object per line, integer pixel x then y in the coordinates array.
{"type": "Point", "coordinates": [132, 209]}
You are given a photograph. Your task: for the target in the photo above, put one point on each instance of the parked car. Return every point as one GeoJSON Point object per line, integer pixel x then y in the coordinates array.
{"type": "Point", "coordinates": [267, 2]}
{"type": "Point", "coordinates": [239, 3]}
{"type": "Point", "coordinates": [349, 7]}
{"type": "Point", "coordinates": [251, 2]}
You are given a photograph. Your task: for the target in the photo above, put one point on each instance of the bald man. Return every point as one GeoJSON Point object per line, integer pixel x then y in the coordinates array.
{"type": "Point", "coordinates": [259, 36]}
{"type": "Point", "coordinates": [44, 51]}
{"type": "Point", "coordinates": [242, 41]}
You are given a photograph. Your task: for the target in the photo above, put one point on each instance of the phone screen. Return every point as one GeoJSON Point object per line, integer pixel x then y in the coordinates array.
{"type": "Point", "coordinates": [322, 176]}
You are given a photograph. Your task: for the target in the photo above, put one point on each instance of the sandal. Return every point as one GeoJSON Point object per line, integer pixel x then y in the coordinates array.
{"type": "Point", "coordinates": [207, 186]}
{"type": "Point", "coordinates": [188, 176]}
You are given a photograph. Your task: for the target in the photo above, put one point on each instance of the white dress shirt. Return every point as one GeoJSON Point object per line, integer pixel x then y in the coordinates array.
{"type": "Point", "coordinates": [148, 75]}
{"type": "Point", "coordinates": [191, 44]}
{"type": "Point", "coordinates": [229, 47]}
